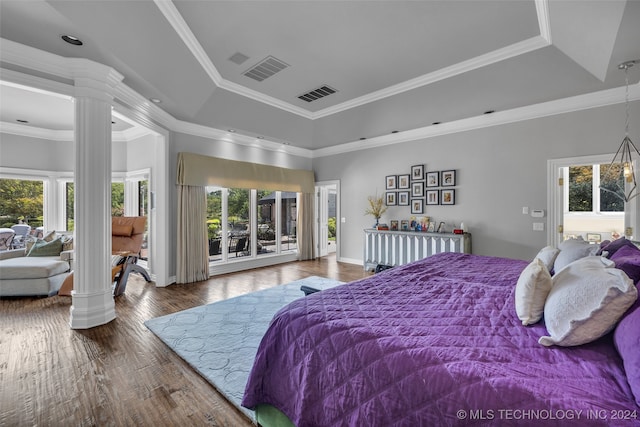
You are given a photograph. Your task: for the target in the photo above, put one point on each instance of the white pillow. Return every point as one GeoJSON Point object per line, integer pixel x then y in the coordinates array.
{"type": "Point", "coordinates": [532, 289]}
{"type": "Point", "coordinates": [587, 299]}
{"type": "Point", "coordinates": [571, 250]}
{"type": "Point", "coordinates": [548, 255]}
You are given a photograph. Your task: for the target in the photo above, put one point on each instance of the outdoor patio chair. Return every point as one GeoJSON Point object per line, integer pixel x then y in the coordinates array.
{"type": "Point", "coordinates": [6, 238]}
{"type": "Point", "coordinates": [22, 231]}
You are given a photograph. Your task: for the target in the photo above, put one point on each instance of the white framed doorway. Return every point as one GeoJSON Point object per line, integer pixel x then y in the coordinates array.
{"type": "Point", "coordinates": [327, 213]}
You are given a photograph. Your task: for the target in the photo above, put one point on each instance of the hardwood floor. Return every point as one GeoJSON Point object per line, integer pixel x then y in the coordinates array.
{"type": "Point", "coordinates": [121, 374]}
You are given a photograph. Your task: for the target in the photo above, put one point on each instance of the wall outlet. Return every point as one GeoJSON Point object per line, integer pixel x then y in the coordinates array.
{"type": "Point", "coordinates": [525, 210]}
{"type": "Point", "coordinates": [343, 220]}
{"type": "Point", "coordinates": [538, 226]}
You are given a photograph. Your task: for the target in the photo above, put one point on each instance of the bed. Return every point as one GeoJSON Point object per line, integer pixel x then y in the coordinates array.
{"type": "Point", "coordinates": [432, 343]}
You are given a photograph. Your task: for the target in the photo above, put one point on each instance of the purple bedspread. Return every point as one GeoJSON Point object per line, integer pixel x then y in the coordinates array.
{"type": "Point", "coordinates": [433, 343]}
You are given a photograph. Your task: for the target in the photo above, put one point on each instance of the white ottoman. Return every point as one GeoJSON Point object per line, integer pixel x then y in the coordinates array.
{"type": "Point", "coordinates": [30, 276]}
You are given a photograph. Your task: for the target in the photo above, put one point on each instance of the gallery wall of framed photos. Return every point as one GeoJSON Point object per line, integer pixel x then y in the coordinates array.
{"type": "Point", "coordinates": [420, 188]}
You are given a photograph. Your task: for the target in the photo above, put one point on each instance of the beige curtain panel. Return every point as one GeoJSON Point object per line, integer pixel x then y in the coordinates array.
{"type": "Point", "coordinates": [192, 249]}
{"type": "Point", "coordinates": [199, 170]}
{"type": "Point", "coordinates": [306, 246]}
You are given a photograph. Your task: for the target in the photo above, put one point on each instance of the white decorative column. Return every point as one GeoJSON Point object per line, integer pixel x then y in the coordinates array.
{"type": "Point", "coordinates": [92, 298]}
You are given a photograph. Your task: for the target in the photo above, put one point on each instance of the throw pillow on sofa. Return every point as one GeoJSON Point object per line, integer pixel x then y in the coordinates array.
{"type": "Point", "coordinates": [44, 248]}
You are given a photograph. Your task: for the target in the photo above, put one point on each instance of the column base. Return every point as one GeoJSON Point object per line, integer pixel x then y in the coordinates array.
{"type": "Point", "coordinates": [90, 310]}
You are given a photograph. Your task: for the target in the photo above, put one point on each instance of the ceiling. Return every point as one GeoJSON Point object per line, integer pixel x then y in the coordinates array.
{"type": "Point", "coordinates": [392, 66]}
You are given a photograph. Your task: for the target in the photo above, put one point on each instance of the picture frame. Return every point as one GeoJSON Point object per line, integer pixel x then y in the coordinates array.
{"type": "Point", "coordinates": [417, 173]}
{"type": "Point", "coordinates": [594, 237]}
{"type": "Point", "coordinates": [403, 181]}
{"type": "Point", "coordinates": [393, 225]}
{"type": "Point", "coordinates": [417, 206]}
{"type": "Point", "coordinates": [404, 225]}
{"type": "Point", "coordinates": [448, 197]}
{"type": "Point", "coordinates": [417, 189]}
{"type": "Point", "coordinates": [403, 198]}
{"type": "Point", "coordinates": [390, 199]}
{"type": "Point", "coordinates": [433, 179]}
{"type": "Point", "coordinates": [448, 178]}
{"type": "Point", "coordinates": [391, 182]}
{"type": "Point", "coordinates": [433, 197]}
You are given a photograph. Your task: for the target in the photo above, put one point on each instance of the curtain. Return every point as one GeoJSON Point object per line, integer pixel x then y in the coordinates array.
{"type": "Point", "coordinates": [306, 246]}
{"type": "Point", "coordinates": [196, 169]}
{"type": "Point", "coordinates": [192, 249]}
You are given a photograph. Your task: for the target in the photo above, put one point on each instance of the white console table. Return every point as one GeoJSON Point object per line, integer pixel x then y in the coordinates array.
{"type": "Point", "coordinates": [402, 247]}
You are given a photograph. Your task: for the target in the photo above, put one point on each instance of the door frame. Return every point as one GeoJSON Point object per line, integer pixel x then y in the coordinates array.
{"type": "Point", "coordinates": [325, 184]}
{"type": "Point", "coordinates": [555, 197]}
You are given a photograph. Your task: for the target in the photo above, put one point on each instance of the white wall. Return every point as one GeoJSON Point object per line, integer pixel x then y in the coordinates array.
{"type": "Point", "coordinates": [500, 169]}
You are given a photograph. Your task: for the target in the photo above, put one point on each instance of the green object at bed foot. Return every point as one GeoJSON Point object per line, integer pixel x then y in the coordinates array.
{"type": "Point", "coordinates": [269, 416]}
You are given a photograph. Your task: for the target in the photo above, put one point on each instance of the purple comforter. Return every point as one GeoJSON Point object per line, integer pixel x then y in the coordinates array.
{"type": "Point", "coordinates": [433, 343]}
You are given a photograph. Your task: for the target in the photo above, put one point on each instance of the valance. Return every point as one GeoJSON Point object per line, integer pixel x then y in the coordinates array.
{"type": "Point", "coordinates": [199, 170]}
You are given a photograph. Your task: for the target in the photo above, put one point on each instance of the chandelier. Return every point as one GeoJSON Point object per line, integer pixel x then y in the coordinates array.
{"type": "Point", "coordinates": [621, 170]}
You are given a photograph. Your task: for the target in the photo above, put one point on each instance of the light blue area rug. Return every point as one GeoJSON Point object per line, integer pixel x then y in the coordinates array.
{"type": "Point", "coordinates": [220, 340]}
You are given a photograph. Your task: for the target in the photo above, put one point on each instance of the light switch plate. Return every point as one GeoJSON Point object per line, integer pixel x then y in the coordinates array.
{"type": "Point", "coordinates": [538, 226]}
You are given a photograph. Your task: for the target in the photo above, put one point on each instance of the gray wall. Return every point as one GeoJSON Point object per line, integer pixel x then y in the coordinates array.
{"type": "Point", "coordinates": [500, 169]}
{"type": "Point", "coordinates": [26, 152]}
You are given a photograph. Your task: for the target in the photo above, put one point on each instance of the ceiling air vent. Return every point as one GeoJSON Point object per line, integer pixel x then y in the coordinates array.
{"type": "Point", "coordinates": [321, 92]}
{"type": "Point", "coordinates": [265, 68]}
{"type": "Point", "coordinates": [238, 58]}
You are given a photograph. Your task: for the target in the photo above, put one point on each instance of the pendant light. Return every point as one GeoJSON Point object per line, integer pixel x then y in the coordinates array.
{"type": "Point", "coordinates": [622, 164]}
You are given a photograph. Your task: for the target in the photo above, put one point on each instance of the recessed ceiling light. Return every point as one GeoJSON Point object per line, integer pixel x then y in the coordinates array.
{"type": "Point", "coordinates": [394, 131]}
{"type": "Point", "coordinates": [22, 121]}
{"type": "Point", "coordinates": [112, 122]}
{"type": "Point", "coordinates": [155, 100]}
{"type": "Point", "coordinates": [436, 123]}
{"type": "Point", "coordinates": [72, 40]}
{"type": "Point", "coordinates": [231, 130]}
{"type": "Point", "coordinates": [362, 138]}
{"type": "Point", "coordinates": [260, 137]}
{"type": "Point", "coordinates": [489, 111]}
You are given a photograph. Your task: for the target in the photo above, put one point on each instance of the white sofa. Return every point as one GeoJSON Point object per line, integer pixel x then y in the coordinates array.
{"type": "Point", "coordinates": [21, 275]}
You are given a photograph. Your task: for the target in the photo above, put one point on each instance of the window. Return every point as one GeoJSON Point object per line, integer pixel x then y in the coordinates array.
{"type": "Point", "coordinates": [21, 200]}
{"type": "Point", "coordinates": [586, 193]}
{"type": "Point", "coordinates": [245, 224]}
{"type": "Point", "coordinates": [589, 210]}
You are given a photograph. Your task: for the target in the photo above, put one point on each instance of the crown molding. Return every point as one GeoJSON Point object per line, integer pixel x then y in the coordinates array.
{"type": "Point", "coordinates": [237, 138]}
{"type": "Point", "coordinates": [66, 135]}
{"type": "Point", "coordinates": [493, 57]}
{"type": "Point", "coordinates": [171, 13]}
{"type": "Point", "coordinates": [551, 108]}
{"type": "Point", "coordinates": [544, 22]}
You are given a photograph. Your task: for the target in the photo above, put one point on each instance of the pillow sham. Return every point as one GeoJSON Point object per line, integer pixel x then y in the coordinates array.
{"type": "Point", "coordinates": [44, 248]}
{"type": "Point", "coordinates": [627, 259]}
{"type": "Point", "coordinates": [532, 289]}
{"type": "Point", "coordinates": [626, 338]}
{"type": "Point", "coordinates": [548, 255]}
{"type": "Point", "coordinates": [572, 250]}
{"type": "Point", "coordinates": [587, 298]}
{"type": "Point", "coordinates": [616, 245]}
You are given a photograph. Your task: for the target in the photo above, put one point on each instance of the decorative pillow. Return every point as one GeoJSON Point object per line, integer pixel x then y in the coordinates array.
{"type": "Point", "coordinates": [121, 230]}
{"type": "Point", "coordinates": [50, 236]}
{"type": "Point", "coordinates": [615, 245]}
{"type": "Point", "coordinates": [586, 300]}
{"type": "Point", "coordinates": [627, 259]}
{"type": "Point", "coordinates": [67, 243]}
{"type": "Point", "coordinates": [548, 256]}
{"type": "Point", "coordinates": [29, 241]}
{"type": "Point", "coordinates": [571, 250]}
{"type": "Point", "coordinates": [627, 341]}
{"type": "Point", "coordinates": [532, 289]}
{"type": "Point", "coordinates": [44, 248]}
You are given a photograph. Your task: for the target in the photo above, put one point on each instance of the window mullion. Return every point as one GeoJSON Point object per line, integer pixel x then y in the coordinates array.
{"type": "Point", "coordinates": [596, 189]}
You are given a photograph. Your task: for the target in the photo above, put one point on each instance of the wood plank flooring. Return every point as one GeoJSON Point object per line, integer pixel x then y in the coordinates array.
{"type": "Point", "coordinates": [121, 374]}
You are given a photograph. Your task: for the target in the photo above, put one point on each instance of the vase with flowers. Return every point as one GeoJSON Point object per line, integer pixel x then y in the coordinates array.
{"type": "Point", "coordinates": [376, 208]}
